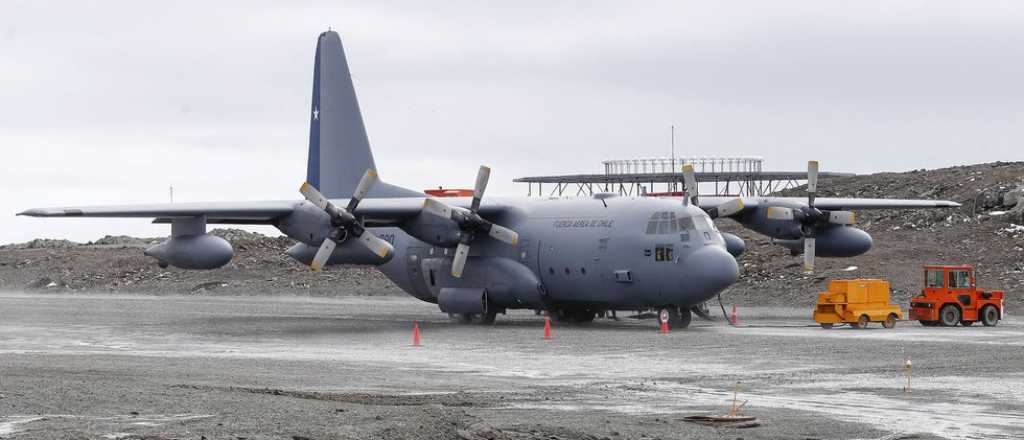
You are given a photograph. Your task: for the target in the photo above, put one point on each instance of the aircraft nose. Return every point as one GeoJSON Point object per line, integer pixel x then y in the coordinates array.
{"type": "Point", "coordinates": [708, 271]}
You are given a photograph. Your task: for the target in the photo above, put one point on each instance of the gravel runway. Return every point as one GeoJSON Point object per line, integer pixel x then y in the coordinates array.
{"type": "Point", "coordinates": [124, 367]}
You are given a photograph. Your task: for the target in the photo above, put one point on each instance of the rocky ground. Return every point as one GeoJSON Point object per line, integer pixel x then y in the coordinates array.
{"type": "Point", "coordinates": [987, 231]}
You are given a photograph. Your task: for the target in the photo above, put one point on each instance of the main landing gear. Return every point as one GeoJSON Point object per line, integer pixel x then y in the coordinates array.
{"type": "Point", "coordinates": [486, 318]}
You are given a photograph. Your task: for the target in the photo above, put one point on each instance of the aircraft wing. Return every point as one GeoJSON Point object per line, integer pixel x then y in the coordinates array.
{"type": "Point", "coordinates": [243, 212]}
{"type": "Point", "coordinates": [832, 203]}
{"type": "Point", "coordinates": [376, 212]}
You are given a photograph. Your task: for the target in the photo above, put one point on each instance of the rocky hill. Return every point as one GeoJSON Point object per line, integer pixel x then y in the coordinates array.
{"type": "Point", "coordinates": [987, 231]}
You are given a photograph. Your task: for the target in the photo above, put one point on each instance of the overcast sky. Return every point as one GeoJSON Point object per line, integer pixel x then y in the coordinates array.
{"type": "Point", "coordinates": [113, 102]}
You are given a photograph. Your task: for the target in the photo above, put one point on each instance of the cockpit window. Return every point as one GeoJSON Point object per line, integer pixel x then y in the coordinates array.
{"type": "Point", "coordinates": [701, 223]}
{"type": "Point", "coordinates": [685, 224]}
{"type": "Point", "coordinates": [664, 222]}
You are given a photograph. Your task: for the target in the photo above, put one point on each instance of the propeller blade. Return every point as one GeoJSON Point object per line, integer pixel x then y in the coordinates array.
{"type": "Point", "coordinates": [729, 208]}
{"type": "Point", "coordinates": [313, 195]}
{"type": "Point", "coordinates": [812, 181]}
{"type": "Point", "coordinates": [459, 260]}
{"type": "Point", "coordinates": [779, 213]}
{"type": "Point", "coordinates": [365, 183]}
{"type": "Point", "coordinates": [437, 208]}
{"type": "Point", "coordinates": [482, 177]}
{"type": "Point", "coordinates": [842, 217]}
{"type": "Point", "coordinates": [323, 254]}
{"type": "Point", "coordinates": [376, 244]}
{"type": "Point", "coordinates": [808, 254]}
{"type": "Point", "coordinates": [504, 234]}
{"type": "Point", "coordinates": [689, 183]}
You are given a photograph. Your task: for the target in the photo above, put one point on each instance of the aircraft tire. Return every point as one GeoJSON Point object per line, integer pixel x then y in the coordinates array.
{"type": "Point", "coordinates": [487, 318]}
{"type": "Point", "coordinates": [473, 318]}
{"type": "Point", "coordinates": [679, 317]}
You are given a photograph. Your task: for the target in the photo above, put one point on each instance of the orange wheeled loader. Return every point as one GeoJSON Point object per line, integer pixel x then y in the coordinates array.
{"type": "Point", "coordinates": [856, 302]}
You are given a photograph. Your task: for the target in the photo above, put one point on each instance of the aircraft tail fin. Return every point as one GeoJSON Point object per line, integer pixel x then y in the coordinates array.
{"type": "Point", "coordinates": [339, 150]}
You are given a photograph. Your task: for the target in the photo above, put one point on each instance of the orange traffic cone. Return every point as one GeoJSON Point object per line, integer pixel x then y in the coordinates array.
{"type": "Point", "coordinates": [415, 334]}
{"type": "Point", "coordinates": [547, 327]}
{"type": "Point", "coordinates": [732, 319]}
{"type": "Point", "coordinates": [664, 327]}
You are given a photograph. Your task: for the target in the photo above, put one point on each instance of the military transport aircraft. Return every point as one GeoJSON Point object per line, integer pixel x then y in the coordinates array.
{"type": "Point", "coordinates": [477, 257]}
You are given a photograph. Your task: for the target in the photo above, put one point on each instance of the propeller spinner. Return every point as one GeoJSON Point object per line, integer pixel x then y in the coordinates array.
{"type": "Point", "coordinates": [344, 222]}
{"type": "Point", "coordinates": [470, 223]}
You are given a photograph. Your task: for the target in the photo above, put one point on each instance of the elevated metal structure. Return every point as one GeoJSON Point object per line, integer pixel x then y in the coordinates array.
{"type": "Point", "coordinates": [727, 176]}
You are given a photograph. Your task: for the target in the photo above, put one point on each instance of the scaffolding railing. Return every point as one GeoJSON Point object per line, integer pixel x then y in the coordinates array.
{"type": "Point", "coordinates": [702, 164]}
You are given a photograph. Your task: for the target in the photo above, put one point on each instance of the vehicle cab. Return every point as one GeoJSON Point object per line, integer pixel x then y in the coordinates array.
{"type": "Point", "coordinates": [950, 297]}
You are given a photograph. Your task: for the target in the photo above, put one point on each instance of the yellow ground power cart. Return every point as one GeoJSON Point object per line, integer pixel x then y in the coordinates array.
{"type": "Point", "coordinates": [856, 302]}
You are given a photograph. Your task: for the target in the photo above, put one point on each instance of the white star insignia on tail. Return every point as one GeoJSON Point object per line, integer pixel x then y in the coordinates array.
{"type": "Point", "coordinates": [316, 114]}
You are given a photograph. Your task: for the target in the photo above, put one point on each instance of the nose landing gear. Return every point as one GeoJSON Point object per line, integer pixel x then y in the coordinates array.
{"type": "Point", "coordinates": [678, 317]}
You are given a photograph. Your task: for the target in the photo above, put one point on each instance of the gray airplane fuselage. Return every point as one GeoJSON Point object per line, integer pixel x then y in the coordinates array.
{"type": "Point", "coordinates": [616, 253]}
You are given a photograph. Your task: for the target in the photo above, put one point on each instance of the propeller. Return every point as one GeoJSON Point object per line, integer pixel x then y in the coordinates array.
{"type": "Point", "coordinates": [470, 223]}
{"type": "Point", "coordinates": [344, 222]}
{"type": "Point", "coordinates": [725, 209]}
{"type": "Point", "coordinates": [810, 217]}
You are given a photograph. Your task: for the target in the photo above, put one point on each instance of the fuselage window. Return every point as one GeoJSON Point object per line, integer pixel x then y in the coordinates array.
{"type": "Point", "coordinates": [551, 270]}
{"type": "Point", "coordinates": [567, 271]}
{"type": "Point", "coordinates": [664, 252]}
{"type": "Point", "coordinates": [583, 270]}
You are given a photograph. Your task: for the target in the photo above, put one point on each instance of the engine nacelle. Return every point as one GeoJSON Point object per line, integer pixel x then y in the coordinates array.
{"type": "Point", "coordinates": [203, 251]}
{"type": "Point", "coordinates": [834, 241]}
{"type": "Point", "coordinates": [734, 245]}
{"type": "Point", "coordinates": [307, 224]}
{"type": "Point", "coordinates": [433, 229]}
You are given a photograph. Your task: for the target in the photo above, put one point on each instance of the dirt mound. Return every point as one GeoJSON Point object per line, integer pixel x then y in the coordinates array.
{"type": "Point", "coordinates": [125, 241]}
{"type": "Point", "coordinates": [41, 243]}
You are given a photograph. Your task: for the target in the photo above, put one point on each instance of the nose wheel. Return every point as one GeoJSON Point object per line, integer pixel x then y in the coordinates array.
{"type": "Point", "coordinates": [678, 317]}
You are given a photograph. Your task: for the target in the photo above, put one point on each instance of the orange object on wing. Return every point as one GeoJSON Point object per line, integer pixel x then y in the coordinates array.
{"type": "Point", "coordinates": [449, 192]}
